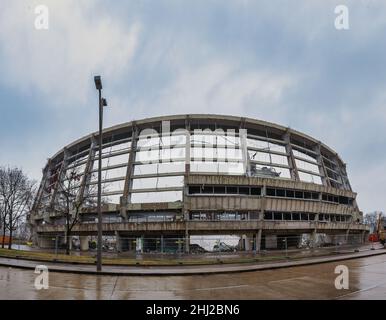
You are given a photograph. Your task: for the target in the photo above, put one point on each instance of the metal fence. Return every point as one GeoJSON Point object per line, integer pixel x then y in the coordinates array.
{"type": "Point", "coordinates": [224, 246]}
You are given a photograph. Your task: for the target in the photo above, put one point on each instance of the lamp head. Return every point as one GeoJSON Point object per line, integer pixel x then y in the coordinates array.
{"type": "Point", "coordinates": [98, 82]}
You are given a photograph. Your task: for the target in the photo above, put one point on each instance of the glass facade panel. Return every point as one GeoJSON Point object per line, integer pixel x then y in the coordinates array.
{"type": "Point", "coordinates": [306, 177]}
{"type": "Point", "coordinates": [151, 197]}
{"type": "Point", "coordinates": [155, 168]}
{"type": "Point", "coordinates": [217, 167]}
{"type": "Point", "coordinates": [307, 166]}
{"type": "Point", "coordinates": [303, 155]}
{"type": "Point", "coordinates": [158, 182]}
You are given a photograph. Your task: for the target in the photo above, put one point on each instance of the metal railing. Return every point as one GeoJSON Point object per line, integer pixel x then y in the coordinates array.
{"type": "Point", "coordinates": [218, 246]}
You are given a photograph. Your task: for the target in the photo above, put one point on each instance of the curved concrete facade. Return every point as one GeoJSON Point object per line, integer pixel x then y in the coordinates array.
{"type": "Point", "coordinates": [200, 174]}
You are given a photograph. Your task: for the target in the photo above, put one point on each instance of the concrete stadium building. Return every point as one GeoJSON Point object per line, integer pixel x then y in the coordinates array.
{"type": "Point", "coordinates": [187, 175]}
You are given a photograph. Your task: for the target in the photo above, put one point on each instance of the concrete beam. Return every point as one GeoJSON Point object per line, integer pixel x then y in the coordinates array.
{"type": "Point", "coordinates": [126, 197]}
{"type": "Point", "coordinates": [195, 227]}
{"type": "Point", "coordinates": [290, 156]}
{"type": "Point", "coordinates": [87, 170]}
{"type": "Point", "coordinates": [60, 178]}
{"type": "Point", "coordinates": [322, 167]}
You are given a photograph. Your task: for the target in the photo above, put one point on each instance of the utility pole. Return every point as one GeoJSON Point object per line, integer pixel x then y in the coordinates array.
{"type": "Point", "coordinates": [102, 103]}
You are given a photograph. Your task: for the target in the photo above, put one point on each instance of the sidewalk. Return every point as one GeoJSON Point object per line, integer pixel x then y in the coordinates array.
{"type": "Point", "coordinates": [183, 270]}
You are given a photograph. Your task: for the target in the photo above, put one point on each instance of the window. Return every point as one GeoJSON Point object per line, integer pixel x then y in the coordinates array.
{"type": "Point", "coordinates": [271, 192]}
{"type": "Point", "coordinates": [253, 215]}
{"type": "Point", "coordinates": [298, 194]}
{"type": "Point", "coordinates": [278, 216]}
{"type": "Point", "coordinates": [267, 215]}
{"type": "Point", "coordinates": [280, 192]}
{"type": "Point", "coordinates": [287, 216]}
{"type": "Point", "coordinates": [244, 190]}
{"type": "Point", "coordinates": [255, 191]}
{"type": "Point", "coordinates": [207, 190]}
{"type": "Point", "coordinates": [219, 190]}
{"type": "Point", "coordinates": [194, 189]}
{"type": "Point", "coordinates": [295, 216]}
{"type": "Point", "coordinates": [290, 194]}
{"type": "Point", "coordinates": [304, 216]}
{"type": "Point", "coordinates": [232, 190]}
{"type": "Point", "coordinates": [343, 200]}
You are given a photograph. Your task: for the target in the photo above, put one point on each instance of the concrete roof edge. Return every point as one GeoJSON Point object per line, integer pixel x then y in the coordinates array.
{"type": "Point", "coordinates": [202, 116]}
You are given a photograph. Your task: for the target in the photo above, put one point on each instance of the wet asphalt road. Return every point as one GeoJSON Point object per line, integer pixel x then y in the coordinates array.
{"type": "Point", "coordinates": [367, 280]}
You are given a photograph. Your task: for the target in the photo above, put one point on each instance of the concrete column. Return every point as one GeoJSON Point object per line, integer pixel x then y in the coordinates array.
{"type": "Point", "coordinates": [258, 240]}
{"type": "Point", "coordinates": [313, 238]}
{"type": "Point", "coordinates": [84, 243]}
{"type": "Point", "coordinates": [139, 242]}
{"type": "Point", "coordinates": [187, 242]}
{"type": "Point", "coordinates": [363, 238]}
{"type": "Point", "coordinates": [118, 242]}
{"type": "Point", "coordinates": [187, 147]}
{"type": "Point", "coordinates": [179, 245]}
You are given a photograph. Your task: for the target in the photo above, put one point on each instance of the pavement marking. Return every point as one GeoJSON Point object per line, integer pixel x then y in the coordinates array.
{"type": "Point", "coordinates": [218, 288]}
{"type": "Point", "coordinates": [113, 290]}
{"type": "Point", "coordinates": [289, 279]}
{"type": "Point", "coordinates": [362, 290]}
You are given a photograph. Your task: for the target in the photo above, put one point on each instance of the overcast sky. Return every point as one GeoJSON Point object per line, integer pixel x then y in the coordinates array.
{"type": "Point", "coordinates": [280, 61]}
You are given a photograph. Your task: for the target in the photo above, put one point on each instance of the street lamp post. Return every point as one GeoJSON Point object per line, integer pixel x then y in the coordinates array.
{"type": "Point", "coordinates": [102, 103]}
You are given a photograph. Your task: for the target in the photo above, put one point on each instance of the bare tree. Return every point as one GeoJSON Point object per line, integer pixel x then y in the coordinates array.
{"type": "Point", "coordinates": [70, 203]}
{"type": "Point", "coordinates": [16, 196]}
{"type": "Point", "coordinates": [3, 204]}
{"type": "Point", "coordinates": [371, 219]}
{"type": "Point", "coordinates": [2, 218]}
